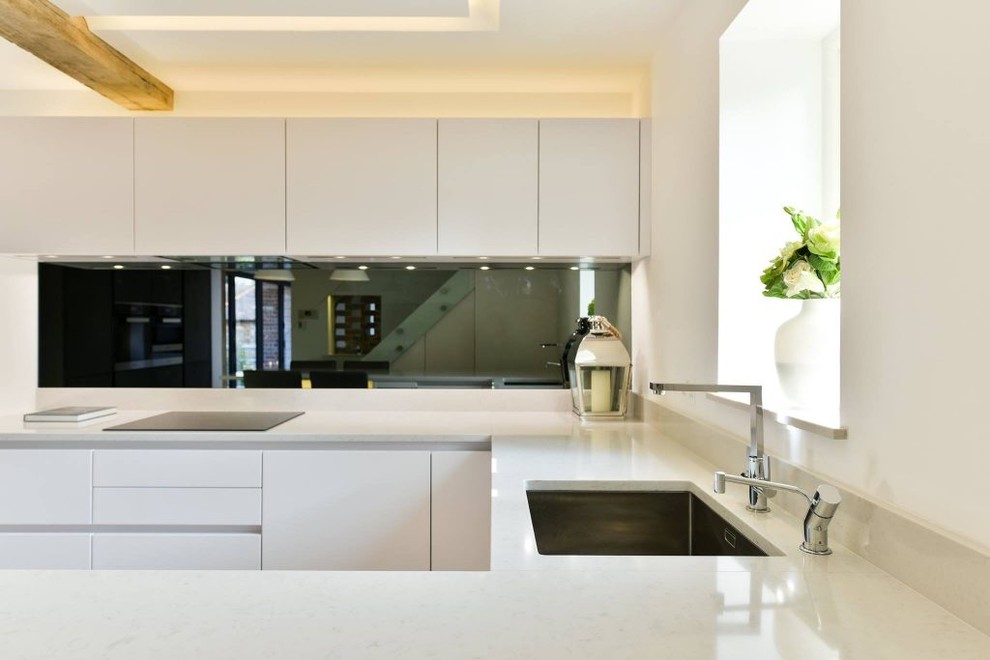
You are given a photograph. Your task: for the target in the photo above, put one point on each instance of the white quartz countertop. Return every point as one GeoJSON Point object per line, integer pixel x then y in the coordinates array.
{"type": "Point", "coordinates": [786, 606]}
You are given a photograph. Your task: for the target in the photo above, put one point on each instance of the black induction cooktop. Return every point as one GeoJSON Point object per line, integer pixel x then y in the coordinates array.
{"type": "Point", "coordinates": [208, 421]}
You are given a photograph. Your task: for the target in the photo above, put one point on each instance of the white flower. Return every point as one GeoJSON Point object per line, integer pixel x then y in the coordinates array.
{"type": "Point", "coordinates": [824, 239]}
{"type": "Point", "coordinates": [801, 277]}
{"type": "Point", "coordinates": [788, 250]}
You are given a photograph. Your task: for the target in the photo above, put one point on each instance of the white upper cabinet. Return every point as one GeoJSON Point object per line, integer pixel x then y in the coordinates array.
{"type": "Point", "coordinates": [589, 187]}
{"type": "Point", "coordinates": [209, 186]}
{"type": "Point", "coordinates": [66, 186]}
{"type": "Point", "coordinates": [362, 187]}
{"type": "Point", "coordinates": [488, 187]}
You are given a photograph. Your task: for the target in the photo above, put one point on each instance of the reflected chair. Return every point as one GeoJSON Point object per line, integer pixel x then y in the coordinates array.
{"type": "Point", "coordinates": [372, 367]}
{"type": "Point", "coordinates": [314, 365]}
{"type": "Point", "coordinates": [338, 379]}
{"type": "Point", "coordinates": [273, 379]}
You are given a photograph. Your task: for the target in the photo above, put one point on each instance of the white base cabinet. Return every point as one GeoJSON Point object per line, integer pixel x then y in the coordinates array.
{"type": "Point", "coordinates": [461, 534]}
{"type": "Point", "coordinates": [346, 510]}
{"type": "Point", "coordinates": [45, 486]}
{"type": "Point", "coordinates": [44, 551]}
{"type": "Point", "coordinates": [196, 551]}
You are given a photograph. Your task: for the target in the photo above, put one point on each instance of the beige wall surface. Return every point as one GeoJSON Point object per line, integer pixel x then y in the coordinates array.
{"type": "Point", "coordinates": [915, 143]}
{"type": "Point", "coordinates": [18, 335]}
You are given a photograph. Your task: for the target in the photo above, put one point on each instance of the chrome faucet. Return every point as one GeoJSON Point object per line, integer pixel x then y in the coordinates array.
{"type": "Point", "coordinates": [757, 463]}
{"type": "Point", "coordinates": [821, 509]}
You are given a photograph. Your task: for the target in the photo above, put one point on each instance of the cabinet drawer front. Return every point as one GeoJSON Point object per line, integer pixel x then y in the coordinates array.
{"type": "Point", "coordinates": [44, 551]}
{"type": "Point", "coordinates": [45, 486]}
{"type": "Point", "coordinates": [177, 506]}
{"type": "Point", "coordinates": [177, 468]}
{"type": "Point", "coordinates": [177, 551]}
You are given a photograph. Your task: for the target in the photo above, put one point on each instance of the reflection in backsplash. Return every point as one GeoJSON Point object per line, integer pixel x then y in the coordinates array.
{"type": "Point", "coordinates": [201, 325]}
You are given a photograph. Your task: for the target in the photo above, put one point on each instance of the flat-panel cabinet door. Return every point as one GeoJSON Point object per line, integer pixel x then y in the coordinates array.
{"type": "Point", "coordinates": [190, 551]}
{"type": "Point", "coordinates": [45, 487]}
{"type": "Point", "coordinates": [462, 510]}
{"type": "Point", "coordinates": [487, 187]}
{"type": "Point", "coordinates": [45, 551]}
{"type": "Point", "coordinates": [589, 187]}
{"type": "Point", "coordinates": [362, 187]}
{"type": "Point", "coordinates": [209, 186]}
{"type": "Point", "coordinates": [346, 510]}
{"type": "Point", "coordinates": [66, 186]}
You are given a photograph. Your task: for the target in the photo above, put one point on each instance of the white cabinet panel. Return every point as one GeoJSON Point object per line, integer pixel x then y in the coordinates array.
{"type": "Point", "coordinates": [209, 186]}
{"type": "Point", "coordinates": [176, 467]}
{"type": "Point", "coordinates": [461, 510]}
{"type": "Point", "coordinates": [45, 486]}
{"type": "Point", "coordinates": [177, 506]}
{"type": "Point", "coordinates": [589, 187]}
{"type": "Point", "coordinates": [66, 185]}
{"type": "Point", "coordinates": [44, 551]}
{"type": "Point", "coordinates": [346, 510]}
{"type": "Point", "coordinates": [487, 187]}
{"type": "Point", "coordinates": [177, 551]}
{"type": "Point", "coordinates": [361, 186]}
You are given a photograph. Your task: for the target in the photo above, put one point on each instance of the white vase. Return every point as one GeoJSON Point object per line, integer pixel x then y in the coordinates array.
{"type": "Point", "coordinates": [807, 355]}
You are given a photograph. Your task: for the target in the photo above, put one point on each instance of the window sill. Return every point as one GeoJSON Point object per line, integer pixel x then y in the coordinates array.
{"type": "Point", "coordinates": [809, 421]}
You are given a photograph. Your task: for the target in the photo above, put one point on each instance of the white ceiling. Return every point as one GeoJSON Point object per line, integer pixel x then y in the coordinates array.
{"type": "Point", "coordinates": [521, 34]}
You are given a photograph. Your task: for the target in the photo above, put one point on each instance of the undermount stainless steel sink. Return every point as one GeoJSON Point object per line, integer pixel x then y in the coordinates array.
{"type": "Point", "coordinates": [623, 522]}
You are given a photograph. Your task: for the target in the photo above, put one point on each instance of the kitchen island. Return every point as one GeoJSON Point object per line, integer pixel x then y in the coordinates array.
{"type": "Point", "coordinates": [528, 605]}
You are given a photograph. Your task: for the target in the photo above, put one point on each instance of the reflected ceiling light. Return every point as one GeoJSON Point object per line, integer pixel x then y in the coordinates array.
{"type": "Point", "coordinates": [410, 268]}
{"type": "Point", "coordinates": [396, 257]}
{"type": "Point", "coordinates": [118, 267]}
{"type": "Point", "coordinates": [575, 268]}
{"type": "Point", "coordinates": [530, 268]}
{"type": "Point", "coordinates": [362, 268]}
{"type": "Point", "coordinates": [483, 258]}
{"type": "Point", "coordinates": [166, 267]}
{"type": "Point", "coordinates": [108, 257]}
{"type": "Point", "coordinates": [52, 256]}
{"type": "Point", "coordinates": [274, 275]}
{"type": "Point", "coordinates": [536, 258]}
{"type": "Point", "coordinates": [485, 268]}
{"type": "Point", "coordinates": [349, 275]}
{"type": "Point", "coordinates": [340, 257]}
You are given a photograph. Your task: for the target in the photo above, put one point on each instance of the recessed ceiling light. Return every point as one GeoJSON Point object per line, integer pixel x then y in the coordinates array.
{"type": "Point", "coordinates": [410, 268]}
{"type": "Point", "coordinates": [166, 267]}
{"type": "Point", "coordinates": [485, 268]}
{"type": "Point", "coordinates": [118, 267]}
{"type": "Point", "coordinates": [362, 268]}
{"type": "Point", "coordinates": [530, 268]}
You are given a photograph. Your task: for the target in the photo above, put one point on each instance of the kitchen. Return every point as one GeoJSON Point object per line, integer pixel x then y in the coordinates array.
{"type": "Point", "coordinates": [911, 360]}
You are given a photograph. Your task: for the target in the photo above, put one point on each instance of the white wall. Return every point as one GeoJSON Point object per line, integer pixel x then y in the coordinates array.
{"type": "Point", "coordinates": [18, 335]}
{"type": "Point", "coordinates": [915, 143]}
{"type": "Point", "coordinates": [915, 154]}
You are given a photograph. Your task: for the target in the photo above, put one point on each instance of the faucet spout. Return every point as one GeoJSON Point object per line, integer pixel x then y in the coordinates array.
{"type": "Point", "coordinates": [757, 463]}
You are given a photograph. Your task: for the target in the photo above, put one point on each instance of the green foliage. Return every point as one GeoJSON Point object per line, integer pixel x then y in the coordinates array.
{"type": "Point", "coordinates": [809, 267]}
{"type": "Point", "coordinates": [591, 308]}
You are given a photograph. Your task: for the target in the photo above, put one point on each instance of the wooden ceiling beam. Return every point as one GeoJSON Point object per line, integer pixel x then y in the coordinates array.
{"type": "Point", "coordinates": [66, 43]}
